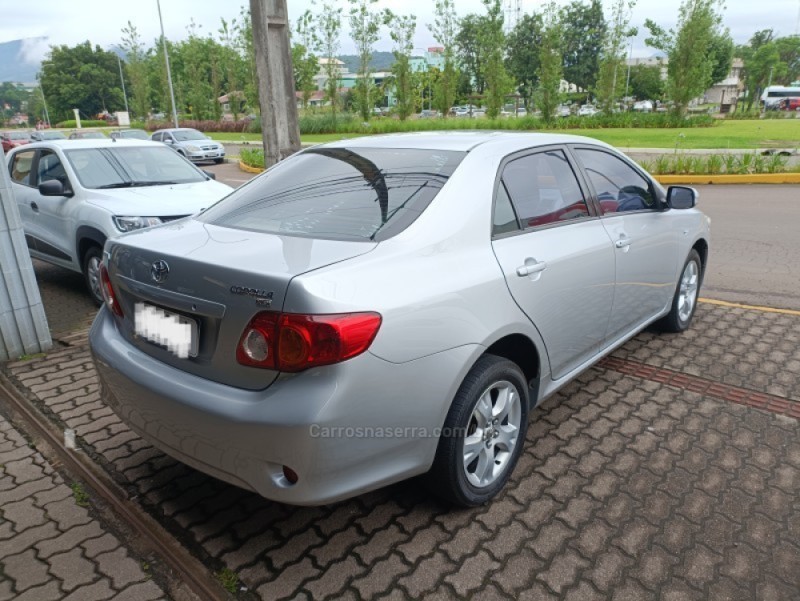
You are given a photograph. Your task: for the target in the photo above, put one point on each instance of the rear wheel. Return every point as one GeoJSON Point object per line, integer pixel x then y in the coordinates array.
{"type": "Point", "coordinates": [684, 302]}
{"type": "Point", "coordinates": [483, 434]}
{"type": "Point", "coordinates": [92, 259]}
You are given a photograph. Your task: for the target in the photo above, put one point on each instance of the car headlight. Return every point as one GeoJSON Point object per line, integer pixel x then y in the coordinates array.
{"type": "Point", "coordinates": [192, 148]}
{"type": "Point", "coordinates": [128, 224]}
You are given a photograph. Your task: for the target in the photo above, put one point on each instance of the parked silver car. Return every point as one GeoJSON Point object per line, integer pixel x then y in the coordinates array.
{"type": "Point", "coordinates": [375, 309]}
{"type": "Point", "coordinates": [192, 144]}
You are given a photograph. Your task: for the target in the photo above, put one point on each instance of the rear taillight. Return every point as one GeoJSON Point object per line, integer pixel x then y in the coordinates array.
{"type": "Point", "coordinates": [108, 291]}
{"type": "Point", "coordinates": [292, 342]}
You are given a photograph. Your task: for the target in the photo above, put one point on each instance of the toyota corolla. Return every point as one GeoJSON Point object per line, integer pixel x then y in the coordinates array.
{"type": "Point", "coordinates": [375, 309]}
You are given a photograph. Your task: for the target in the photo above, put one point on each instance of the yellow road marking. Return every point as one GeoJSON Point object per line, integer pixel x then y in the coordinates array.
{"type": "Point", "coordinates": [721, 303]}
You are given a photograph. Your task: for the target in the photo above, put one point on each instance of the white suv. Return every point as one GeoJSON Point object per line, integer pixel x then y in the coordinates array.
{"type": "Point", "coordinates": [75, 194]}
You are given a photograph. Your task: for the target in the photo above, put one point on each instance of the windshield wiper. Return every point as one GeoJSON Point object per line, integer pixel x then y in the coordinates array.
{"type": "Point", "coordinates": [115, 185]}
{"type": "Point", "coordinates": [152, 183]}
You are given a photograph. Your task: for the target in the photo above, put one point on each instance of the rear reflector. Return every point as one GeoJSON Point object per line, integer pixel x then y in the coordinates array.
{"type": "Point", "coordinates": [292, 342]}
{"type": "Point", "coordinates": [108, 291]}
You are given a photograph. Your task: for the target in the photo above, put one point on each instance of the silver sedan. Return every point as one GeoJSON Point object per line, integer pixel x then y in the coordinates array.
{"type": "Point", "coordinates": [375, 309]}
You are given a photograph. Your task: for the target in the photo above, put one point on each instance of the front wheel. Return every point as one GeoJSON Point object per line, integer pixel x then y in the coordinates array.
{"type": "Point", "coordinates": [219, 161]}
{"type": "Point", "coordinates": [684, 302]}
{"type": "Point", "coordinates": [91, 273]}
{"type": "Point", "coordinates": [483, 434]}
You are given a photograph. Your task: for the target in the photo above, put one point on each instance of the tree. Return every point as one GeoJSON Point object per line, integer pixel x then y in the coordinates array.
{"type": "Point", "coordinates": [691, 63]}
{"type": "Point", "coordinates": [493, 41]}
{"type": "Point", "coordinates": [304, 64]}
{"type": "Point", "coordinates": [469, 49]}
{"type": "Point", "coordinates": [401, 30]}
{"type": "Point", "coordinates": [646, 83]}
{"type": "Point", "coordinates": [444, 31]}
{"type": "Point", "coordinates": [789, 52]}
{"type": "Point", "coordinates": [328, 26]}
{"type": "Point", "coordinates": [136, 67]}
{"type": "Point", "coordinates": [613, 59]}
{"type": "Point", "coordinates": [81, 77]}
{"type": "Point", "coordinates": [233, 66]}
{"type": "Point", "coordinates": [584, 29]}
{"type": "Point", "coordinates": [524, 43]}
{"type": "Point", "coordinates": [548, 93]}
{"type": "Point", "coordinates": [761, 59]}
{"type": "Point", "coordinates": [720, 51]}
{"type": "Point", "coordinates": [13, 96]}
{"type": "Point", "coordinates": [365, 31]}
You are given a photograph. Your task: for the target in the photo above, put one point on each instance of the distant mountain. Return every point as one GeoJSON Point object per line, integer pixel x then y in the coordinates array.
{"type": "Point", "coordinates": [381, 61]}
{"type": "Point", "coordinates": [20, 59]}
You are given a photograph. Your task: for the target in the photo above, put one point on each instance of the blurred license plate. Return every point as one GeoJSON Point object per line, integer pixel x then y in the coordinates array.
{"type": "Point", "coordinates": [178, 334]}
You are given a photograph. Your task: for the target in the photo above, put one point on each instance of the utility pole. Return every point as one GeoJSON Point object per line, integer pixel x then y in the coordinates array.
{"type": "Point", "coordinates": [279, 128]}
{"type": "Point", "coordinates": [23, 324]}
{"type": "Point", "coordinates": [166, 59]}
{"type": "Point", "coordinates": [44, 104]}
{"type": "Point", "coordinates": [122, 79]}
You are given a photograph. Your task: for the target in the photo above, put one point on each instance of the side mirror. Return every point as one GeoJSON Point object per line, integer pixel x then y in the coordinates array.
{"type": "Point", "coordinates": [210, 174]}
{"type": "Point", "coordinates": [53, 187]}
{"type": "Point", "coordinates": [681, 197]}
{"type": "Point", "coordinates": [168, 141]}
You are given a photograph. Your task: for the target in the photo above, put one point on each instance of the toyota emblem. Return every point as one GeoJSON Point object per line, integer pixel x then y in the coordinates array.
{"type": "Point", "coordinates": [159, 271]}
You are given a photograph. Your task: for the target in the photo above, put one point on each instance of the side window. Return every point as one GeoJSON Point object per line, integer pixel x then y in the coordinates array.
{"type": "Point", "coordinates": [544, 189]}
{"type": "Point", "coordinates": [157, 136]}
{"type": "Point", "coordinates": [505, 219]}
{"type": "Point", "coordinates": [50, 167]}
{"type": "Point", "coordinates": [618, 186]}
{"type": "Point", "coordinates": [20, 167]}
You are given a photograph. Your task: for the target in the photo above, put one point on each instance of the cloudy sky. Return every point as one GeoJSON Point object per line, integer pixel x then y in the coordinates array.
{"type": "Point", "coordinates": [63, 22]}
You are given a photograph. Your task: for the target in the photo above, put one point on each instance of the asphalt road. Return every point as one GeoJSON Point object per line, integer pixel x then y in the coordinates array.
{"type": "Point", "coordinates": [755, 240]}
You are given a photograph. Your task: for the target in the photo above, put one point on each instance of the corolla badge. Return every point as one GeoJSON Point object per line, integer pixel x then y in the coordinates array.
{"type": "Point", "coordinates": [263, 298]}
{"type": "Point", "coordinates": [159, 271]}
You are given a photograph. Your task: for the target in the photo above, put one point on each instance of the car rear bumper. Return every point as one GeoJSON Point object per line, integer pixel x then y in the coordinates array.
{"type": "Point", "coordinates": [344, 429]}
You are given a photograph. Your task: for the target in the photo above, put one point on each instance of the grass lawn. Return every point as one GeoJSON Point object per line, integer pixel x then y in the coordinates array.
{"type": "Point", "coordinates": [763, 133]}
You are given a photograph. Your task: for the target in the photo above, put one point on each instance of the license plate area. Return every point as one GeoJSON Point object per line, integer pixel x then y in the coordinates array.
{"type": "Point", "coordinates": [172, 331]}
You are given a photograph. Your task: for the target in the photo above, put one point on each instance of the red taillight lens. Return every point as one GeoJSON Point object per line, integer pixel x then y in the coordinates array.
{"type": "Point", "coordinates": [296, 342]}
{"type": "Point", "coordinates": [108, 291]}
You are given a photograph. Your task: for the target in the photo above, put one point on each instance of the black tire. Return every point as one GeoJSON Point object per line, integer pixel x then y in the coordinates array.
{"type": "Point", "coordinates": [673, 321]}
{"type": "Point", "coordinates": [447, 477]}
{"type": "Point", "coordinates": [94, 253]}
{"type": "Point", "coordinates": [219, 161]}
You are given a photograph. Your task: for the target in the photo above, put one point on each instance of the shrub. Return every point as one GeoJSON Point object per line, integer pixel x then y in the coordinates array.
{"type": "Point", "coordinates": [208, 125]}
{"type": "Point", "coordinates": [72, 124]}
{"type": "Point", "coordinates": [252, 157]}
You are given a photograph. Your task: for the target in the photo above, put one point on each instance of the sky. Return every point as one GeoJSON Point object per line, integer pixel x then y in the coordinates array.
{"type": "Point", "coordinates": [73, 21]}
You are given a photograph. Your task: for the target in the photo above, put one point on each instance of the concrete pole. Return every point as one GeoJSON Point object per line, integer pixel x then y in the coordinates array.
{"type": "Point", "coordinates": [169, 73]}
{"type": "Point", "coordinates": [23, 325]}
{"type": "Point", "coordinates": [279, 127]}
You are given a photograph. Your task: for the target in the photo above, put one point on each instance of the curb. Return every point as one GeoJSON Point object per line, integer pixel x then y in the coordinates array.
{"type": "Point", "coordinates": [248, 168]}
{"type": "Point", "coordinates": [755, 178]}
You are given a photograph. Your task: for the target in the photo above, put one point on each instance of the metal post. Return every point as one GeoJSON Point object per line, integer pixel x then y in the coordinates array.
{"type": "Point", "coordinates": [279, 127]}
{"type": "Point", "coordinates": [122, 79]}
{"type": "Point", "coordinates": [628, 78]}
{"type": "Point", "coordinates": [23, 324]}
{"type": "Point", "coordinates": [166, 59]}
{"type": "Point", "coordinates": [44, 103]}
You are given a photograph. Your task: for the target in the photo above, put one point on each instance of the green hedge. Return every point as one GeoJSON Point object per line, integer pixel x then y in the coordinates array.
{"type": "Point", "coordinates": [72, 124]}
{"type": "Point", "coordinates": [715, 164]}
{"type": "Point", "coordinates": [252, 157]}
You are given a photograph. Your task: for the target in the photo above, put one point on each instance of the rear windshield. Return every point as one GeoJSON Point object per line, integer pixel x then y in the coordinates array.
{"type": "Point", "coordinates": [339, 193]}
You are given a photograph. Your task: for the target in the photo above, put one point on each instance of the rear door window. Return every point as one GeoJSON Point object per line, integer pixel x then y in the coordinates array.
{"type": "Point", "coordinates": [339, 193]}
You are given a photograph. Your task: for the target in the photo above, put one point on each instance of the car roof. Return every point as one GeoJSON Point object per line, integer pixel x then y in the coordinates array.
{"type": "Point", "coordinates": [91, 143]}
{"type": "Point", "coordinates": [178, 129]}
{"type": "Point", "coordinates": [464, 141]}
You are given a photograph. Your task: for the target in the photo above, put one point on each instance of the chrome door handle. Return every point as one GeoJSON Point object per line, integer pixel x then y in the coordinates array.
{"type": "Point", "coordinates": [622, 242]}
{"type": "Point", "coordinates": [530, 269]}
{"type": "Point", "coordinates": [35, 207]}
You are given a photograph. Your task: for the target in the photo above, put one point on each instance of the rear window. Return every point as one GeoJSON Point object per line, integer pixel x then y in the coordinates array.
{"type": "Point", "coordinates": [339, 193]}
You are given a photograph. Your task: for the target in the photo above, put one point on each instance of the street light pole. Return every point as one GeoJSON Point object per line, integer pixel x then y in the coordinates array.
{"type": "Point", "coordinates": [44, 104]}
{"type": "Point", "coordinates": [166, 59]}
{"type": "Point", "coordinates": [628, 78]}
{"type": "Point", "coordinates": [122, 79]}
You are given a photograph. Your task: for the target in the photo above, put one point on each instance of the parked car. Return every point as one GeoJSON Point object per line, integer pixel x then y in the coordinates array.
{"type": "Point", "coordinates": [192, 144]}
{"type": "Point", "coordinates": [87, 135]}
{"type": "Point", "coordinates": [643, 106]}
{"type": "Point", "coordinates": [73, 195]}
{"type": "Point", "coordinates": [587, 110]}
{"type": "Point", "coordinates": [343, 321]}
{"type": "Point", "coordinates": [428, 114]}
{"type": "Point", "coordinates": [47, 136]}
{"type": "Point", "coordinates": [12, 139]}
{"type": "Point", "coordinates": [129, 134]}
{"type": "Point", "coordinates": [563, 111]}
{"type": "Point", "coordinates": [522, 111]}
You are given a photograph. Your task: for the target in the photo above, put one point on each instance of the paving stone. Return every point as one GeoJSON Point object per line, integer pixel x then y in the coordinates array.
{"type": "Point", "coordinates": [72, 568]}
{"type": "Point", "coordinates": [472, 573]}
{"type": "Point", "coordinates": [25, 569]}
{"type": "Point", "coordinates": [97, 591]}
{"type": "Point", "coordinates": [119, 567]}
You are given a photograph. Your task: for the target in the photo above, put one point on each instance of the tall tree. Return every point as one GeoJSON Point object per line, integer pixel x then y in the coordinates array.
{"type": "Point", "coordinates": [691, 63]}
{"type": "Point", "coordinates": [232, 65]}
{"type": "Point", "coordinates": [584, 29]}
{"type": "Point", "coordinates": [365, 23]}
{"type": "Point", "coordinates": [469, 49]}
{"type": "Point", "coordinates": [789, 52]}
{"type": "Point", "coordinates": [548, 94]}
{"type": "Point", "coordinates": [646, 83]}
{"type": "Point", "coordinates": [493, 41]}
{"type": "Point", "coordinates": [81, 77]}
{"type": "Point", "coordinates": [444, 32]}
{"type": "Point", "coordinates": [329, 25]}
{"type": "Point", "coordinates": [136, 67]}
{"type": "Point", "coordinates": [524, 43]}
{"type": "Point", "coordinates": [401, 30]}
{"type": "Point", "coordinates": [304, 64]}
{"type": "Point", "coordinates": [762, 60]}
{"type": "Point", "coordinates": [613, 59]}
{"type": "Point", "coordinates": [720, 51]}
